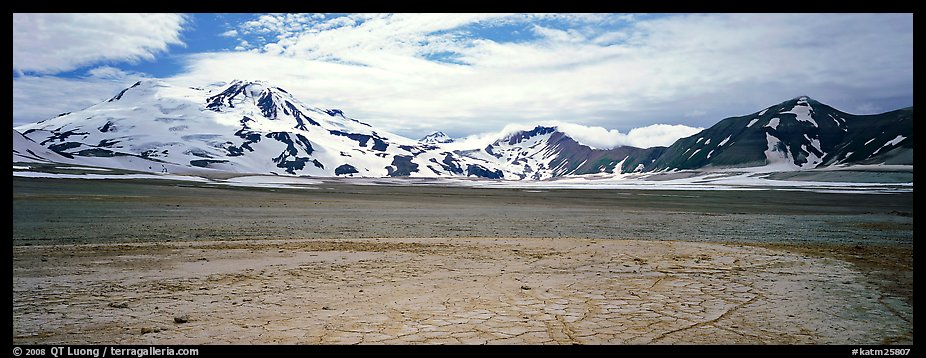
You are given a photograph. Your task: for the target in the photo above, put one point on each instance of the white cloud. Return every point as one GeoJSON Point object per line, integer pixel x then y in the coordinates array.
{"type": "Point", "coordinates": [659, 134]}
{"type": "Point", "coordinates": [611, 71]}
{"type": "Point", "coordinates": [230, 33]}
{"type": "Point", "coordinates": [642, 137]}
{"type": "Point", "coordinates": [481, 140]}
{"type": "Point", "coordinates": [110, 73]}
{"type": "Point", "coordinates": [53, 43]}
{"type": "Point", "coordinates": [592, 136]}
{"type": "Point", "coordinates": [36, 98]}
{"type": "Point", "coordinates": [595, 70]}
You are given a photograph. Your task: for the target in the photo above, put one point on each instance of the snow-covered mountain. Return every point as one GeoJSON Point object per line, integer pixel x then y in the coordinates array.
{"type": "Point", "coordinates": [244, 126]}
{"type": "Point", "coordinates": [26, 150]}
{"type": "Point", "coordinates": [546, 152]}
{"type": "Point", "coordinates": [436, 138]}
{"type": "Point", "coordinates": [800, 133]}
{"type": "Point", "coordinates": [254, 127]}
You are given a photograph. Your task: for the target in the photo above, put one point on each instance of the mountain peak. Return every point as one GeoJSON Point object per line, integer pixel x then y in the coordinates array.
{"type": "Point", "coordinates": [435, 138]}
{"type": "Point", "coordinates": [802, 100]}
{"type": "Point", "coordinates": [253, 88]}
{"type": "Point", "coordinates": [252, 126]}
{"type": "Point", "coordinates": [141, 86]}
{"type": "Point", "coordinates": [519, 136]}
{"type": "Point", "coordinates": [256, 85]}
{"type": "Point", "coordinates": [239, 91]}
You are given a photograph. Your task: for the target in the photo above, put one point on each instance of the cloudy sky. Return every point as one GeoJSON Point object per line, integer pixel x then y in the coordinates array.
{"type": "Point", "coordinates": [637, 79]}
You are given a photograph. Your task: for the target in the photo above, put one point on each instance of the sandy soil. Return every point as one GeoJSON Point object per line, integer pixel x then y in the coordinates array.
{"type": "Point", "coordinates": [459, 290]}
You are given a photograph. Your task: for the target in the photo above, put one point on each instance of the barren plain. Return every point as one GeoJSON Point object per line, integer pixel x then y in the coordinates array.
{"type": "Point", "coordinates": [139, 262]}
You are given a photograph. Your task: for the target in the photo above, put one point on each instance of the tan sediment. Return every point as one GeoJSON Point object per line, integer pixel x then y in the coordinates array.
{"type": "Point", "coordinates": [445, 291]}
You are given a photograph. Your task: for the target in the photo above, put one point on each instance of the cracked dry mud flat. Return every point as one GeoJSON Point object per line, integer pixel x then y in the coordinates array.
{"type": "Point", "coordinates": [444, 291]}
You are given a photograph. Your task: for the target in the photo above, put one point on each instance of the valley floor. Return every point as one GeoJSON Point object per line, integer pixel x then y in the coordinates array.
{"type": "Point", "coordinates": [119, 261]}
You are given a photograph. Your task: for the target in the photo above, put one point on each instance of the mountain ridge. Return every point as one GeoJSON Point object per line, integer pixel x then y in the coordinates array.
{"type": "Point", "coordinates": [800, 133]}
{"type": "Point", "coordinates": [254, 127]}
{"type": "Point", "coordinates": [437, 137]}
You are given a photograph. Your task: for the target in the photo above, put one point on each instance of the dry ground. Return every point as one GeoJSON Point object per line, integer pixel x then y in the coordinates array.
{"type": "Point", "coordinates": [453, 291]}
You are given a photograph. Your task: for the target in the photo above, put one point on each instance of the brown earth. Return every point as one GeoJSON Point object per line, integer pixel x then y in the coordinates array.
{"type": "Point", "coordinates": [556, 291]}
{"type": "Point", "coordinates": [119, 261]}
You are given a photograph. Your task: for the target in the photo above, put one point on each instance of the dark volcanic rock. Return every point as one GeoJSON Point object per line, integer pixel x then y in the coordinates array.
{"type": "Point", "coordinates": [345, 169]}
{"type": "Point", "coordinates": [402, 166]}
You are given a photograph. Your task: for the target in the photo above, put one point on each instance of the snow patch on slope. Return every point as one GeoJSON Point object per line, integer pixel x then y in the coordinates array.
{"type": "Point", "coordinates": [776, 157]}
{"type": "Point", "coordinates": [895, 141]}
{"type": "Point", "coordinates": [890, 143]}
{"type": "Point", "coordinates": [773, 123]}
{"type": "Point", "coordinates": [725, 140]}
{"type": "Point", "coordinates": [693, 154]}
{"type": "Point", "coordinates": [803, 112]}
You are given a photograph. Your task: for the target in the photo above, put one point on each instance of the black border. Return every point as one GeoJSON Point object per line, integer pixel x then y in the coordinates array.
{"type": "Point", "coordinates": [214, 6]}
{"type": "Point", "coordinates": [478, 6]}
{"type": "Point", "coordinates": [542, 351]}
